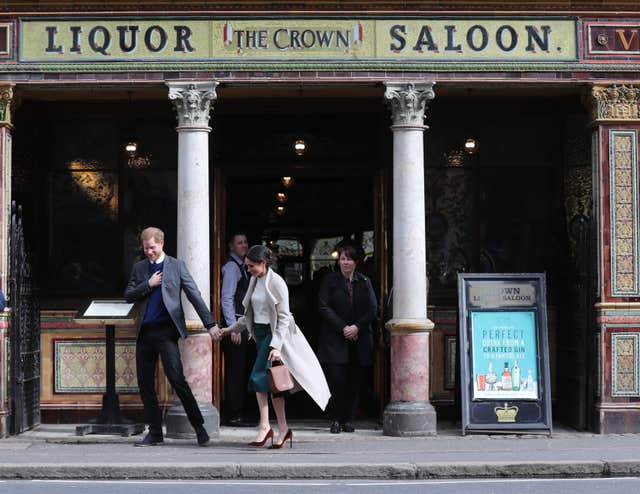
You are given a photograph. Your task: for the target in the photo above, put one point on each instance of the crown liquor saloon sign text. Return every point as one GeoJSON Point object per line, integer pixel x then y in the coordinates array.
{"type": "Point", "coordinates": [504, 352]}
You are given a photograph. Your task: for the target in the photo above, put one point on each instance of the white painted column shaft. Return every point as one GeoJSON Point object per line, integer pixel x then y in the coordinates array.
{"type": "Point", "coordinates": [409, 251]}
{"type": "Point", "coordinates": [193, 211]}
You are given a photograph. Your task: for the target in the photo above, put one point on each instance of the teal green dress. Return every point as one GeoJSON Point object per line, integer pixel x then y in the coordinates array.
{"type": "Point", "coordinates": [258, 381]}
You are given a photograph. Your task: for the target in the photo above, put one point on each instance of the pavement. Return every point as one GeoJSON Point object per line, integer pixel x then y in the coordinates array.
{"type": "Point", "coordinates": [55, 452]}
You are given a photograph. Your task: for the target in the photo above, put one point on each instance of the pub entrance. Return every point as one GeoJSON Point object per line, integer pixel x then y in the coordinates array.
{"type": "Point", "coordinates": [301, 174]}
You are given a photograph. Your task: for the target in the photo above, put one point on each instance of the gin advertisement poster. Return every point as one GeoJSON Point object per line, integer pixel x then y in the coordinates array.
{"type": "Point", "coordinates": [504, 355]}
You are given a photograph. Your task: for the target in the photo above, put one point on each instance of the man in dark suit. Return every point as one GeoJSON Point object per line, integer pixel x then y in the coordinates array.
{"type": "Point", "coordinates": [155, 286]}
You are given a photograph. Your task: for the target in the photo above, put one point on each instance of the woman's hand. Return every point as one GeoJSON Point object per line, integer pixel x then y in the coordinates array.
{"type": "Point", "coordinates": [351, 332]}
{"type": "Point", "coordinates": [274, 355]}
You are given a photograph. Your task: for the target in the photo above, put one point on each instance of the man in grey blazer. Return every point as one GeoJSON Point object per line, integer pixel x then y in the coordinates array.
{"type": "Point", "coordinates": [155, 286]}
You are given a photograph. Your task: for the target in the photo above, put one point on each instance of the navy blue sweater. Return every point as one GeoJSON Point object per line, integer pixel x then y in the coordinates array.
{"type": "Point", "coordinates": [156, 311]}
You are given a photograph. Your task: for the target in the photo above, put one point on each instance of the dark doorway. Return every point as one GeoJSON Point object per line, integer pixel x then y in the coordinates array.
{"type": "Point", "coordinates": [330, 198]}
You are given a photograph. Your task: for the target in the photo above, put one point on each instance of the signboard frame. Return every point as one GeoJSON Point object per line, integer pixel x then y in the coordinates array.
{"type": "Point", "coordinates": [91, 311]}
{"type": "Point", "coordinates": [498, 305]}
{"type": "Point", "coordinates": [479, 40]}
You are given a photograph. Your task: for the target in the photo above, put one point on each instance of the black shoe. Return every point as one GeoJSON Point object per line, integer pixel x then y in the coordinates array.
{"type": "Point", "coordinates": [348, 427]}
{"type": "Point", "coordinates": [335, 428]}
{"type": "Point", "coordinates": [239, 422]}
{"type": "Point", "coordinates": [149, 440]}
{"type": "Point", "coordinates": [203, 437]}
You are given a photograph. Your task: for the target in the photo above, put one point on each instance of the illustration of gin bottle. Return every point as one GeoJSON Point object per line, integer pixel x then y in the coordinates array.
{"type": "Point", "coordinates": [506, 378]}
{"type": "Point", "coordinates": [515, 376]}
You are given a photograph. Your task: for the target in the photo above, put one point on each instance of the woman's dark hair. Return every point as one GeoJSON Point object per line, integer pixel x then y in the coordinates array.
{"type": "Point", "coordinates": [350, 250]}
{"type": "Point", "coordinates": [260, 253]}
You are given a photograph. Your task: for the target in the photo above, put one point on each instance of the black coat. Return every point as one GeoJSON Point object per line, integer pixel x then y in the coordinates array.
{"type": "Point", "coordinates": [336, 312]}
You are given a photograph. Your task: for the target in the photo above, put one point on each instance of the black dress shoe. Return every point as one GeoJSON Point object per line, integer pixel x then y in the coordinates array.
{"type": "Point", "coordinates": [203, 436]}
{"type": "Point", "coordinates": [149, 440]}
{"type": "Point", "coordinates": [335, 428]}
{"type": "Point", "coordinates": [239, 422]}
{"type": "Point", "coordinates": [348, 427]}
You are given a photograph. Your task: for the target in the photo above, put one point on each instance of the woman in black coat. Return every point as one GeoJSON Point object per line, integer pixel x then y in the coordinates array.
{"type": "Point", "coordinates": [345, 343]}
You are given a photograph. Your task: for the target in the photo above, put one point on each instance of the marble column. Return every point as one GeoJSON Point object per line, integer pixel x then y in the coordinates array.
{"type": "Point", "coordinates": [6, 127]}
{"type": "Point", "coordinates": [409, 413]}
{"type": "Point", "coordinates": [192, 102]}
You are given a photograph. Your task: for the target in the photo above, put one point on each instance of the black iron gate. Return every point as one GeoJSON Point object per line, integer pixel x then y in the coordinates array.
{"type": "Point", "coordinates": [24, 332]}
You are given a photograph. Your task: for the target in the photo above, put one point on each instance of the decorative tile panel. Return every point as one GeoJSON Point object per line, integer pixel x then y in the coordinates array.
{"type": "Point", "coordinates": [625, 352]}
{"type": "Point", "coordinates": [80, 367]}
{"type": "Point", "coordinates": [623, 161]}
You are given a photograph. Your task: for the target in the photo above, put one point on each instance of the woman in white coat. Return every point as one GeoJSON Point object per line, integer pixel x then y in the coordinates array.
{"type": "Point", "coordinates": [271, 324]}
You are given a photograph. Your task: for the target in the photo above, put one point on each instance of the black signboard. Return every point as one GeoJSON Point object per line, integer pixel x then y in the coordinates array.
{"type": "Point", "coordinates": [504, 353]}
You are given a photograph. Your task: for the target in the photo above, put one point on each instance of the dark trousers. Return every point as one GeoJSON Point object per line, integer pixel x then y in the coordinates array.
{"type": "Point", "coordinates": [344, 382]}
{"type": "Point", "coordinates": [162, 340]}
{"type": "Point", "coordinates": [235, 375]}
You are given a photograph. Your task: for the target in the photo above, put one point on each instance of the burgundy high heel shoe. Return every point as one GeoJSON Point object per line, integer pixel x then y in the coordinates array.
{"type": "Point", "coordinates": [287, 436]}
{"type": "Point", "coordinates": [268, 435]}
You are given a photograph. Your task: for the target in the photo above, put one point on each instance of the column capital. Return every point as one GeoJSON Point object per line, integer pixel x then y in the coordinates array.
{"type": "Point", "coordinates": [408, 101]}
{"type": "Point", "coordinates": [6, 102]}
{"type": "Point", "coordinates": [192, 102]}
{"type": "Point", "coordinates": [615, 103]}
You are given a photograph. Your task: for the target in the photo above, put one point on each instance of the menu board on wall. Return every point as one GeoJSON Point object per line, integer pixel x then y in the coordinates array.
{"type": "Point", "coordinates": [504, 352]}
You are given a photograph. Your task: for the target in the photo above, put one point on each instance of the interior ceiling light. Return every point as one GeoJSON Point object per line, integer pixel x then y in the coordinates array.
{"type": "Point", "coordinates": [300, 147]}
{"type": "Point", "coordinates": [131, 147]}
{"type": "Point", "coordinates": [281, 197]}
{"type": "Point", "coordinates": [287, 181]}
{"type": "Point", "coordinates": [471, 145]}
{"type": "Point", "coordinates": [280, 210]}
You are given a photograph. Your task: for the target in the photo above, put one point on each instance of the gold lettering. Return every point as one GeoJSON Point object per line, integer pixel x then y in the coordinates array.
{"type": "Point", "coordinates": [626, 43]}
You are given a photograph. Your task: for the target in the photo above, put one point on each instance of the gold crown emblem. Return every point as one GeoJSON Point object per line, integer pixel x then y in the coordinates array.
{"type": "Point", "coordinates": [506, 413]}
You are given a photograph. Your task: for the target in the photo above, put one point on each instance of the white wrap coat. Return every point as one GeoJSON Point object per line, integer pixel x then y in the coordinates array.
{"type": "Point", "coordinates": [296, 352]}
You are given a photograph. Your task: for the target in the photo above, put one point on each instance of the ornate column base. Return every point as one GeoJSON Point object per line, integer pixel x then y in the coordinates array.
{"type": "Point", "coordinates": [409, 413]}
{"type": "Point", "coordinates": [178, 425]}
{"type": "Point", "coordinates": [196, 353]}
{"type": "Point", "coordinates": [409, 418]}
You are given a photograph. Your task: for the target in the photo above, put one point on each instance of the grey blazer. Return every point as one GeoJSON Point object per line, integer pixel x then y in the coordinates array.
{"type": "Point", "coordinates": [175, 278]}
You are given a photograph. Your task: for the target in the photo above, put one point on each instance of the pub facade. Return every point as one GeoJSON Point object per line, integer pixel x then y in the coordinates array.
{"type": "Point", "coordinates": [489, 139]}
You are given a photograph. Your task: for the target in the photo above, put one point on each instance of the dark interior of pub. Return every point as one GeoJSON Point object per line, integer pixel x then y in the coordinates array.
{"type": "Point", "coordinates": [511, 203]}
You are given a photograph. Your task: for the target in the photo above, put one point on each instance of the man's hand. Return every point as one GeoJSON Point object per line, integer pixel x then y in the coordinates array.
{"type": "Point", "coordinates": [351, 332]}
{"type": "Point", "coordinates": [236, 338]}
{"type": "Point", "coordinates": [156, 279]}
{"type": "Point", "coordinates": [217, 333]}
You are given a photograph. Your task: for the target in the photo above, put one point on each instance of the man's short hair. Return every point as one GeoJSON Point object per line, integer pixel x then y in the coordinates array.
{"type": "Point", "coordinates": [152, 233]}
{"type": "Point", "coordinates": [235, 234]}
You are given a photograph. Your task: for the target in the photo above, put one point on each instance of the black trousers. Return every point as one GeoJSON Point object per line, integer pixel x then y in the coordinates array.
{"type": "Point", "coordinates": [162, 340]}
{"type": "Point", "coordinates": [344, 382]}
{"type": "Point", "coordinates": [235, 375]}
